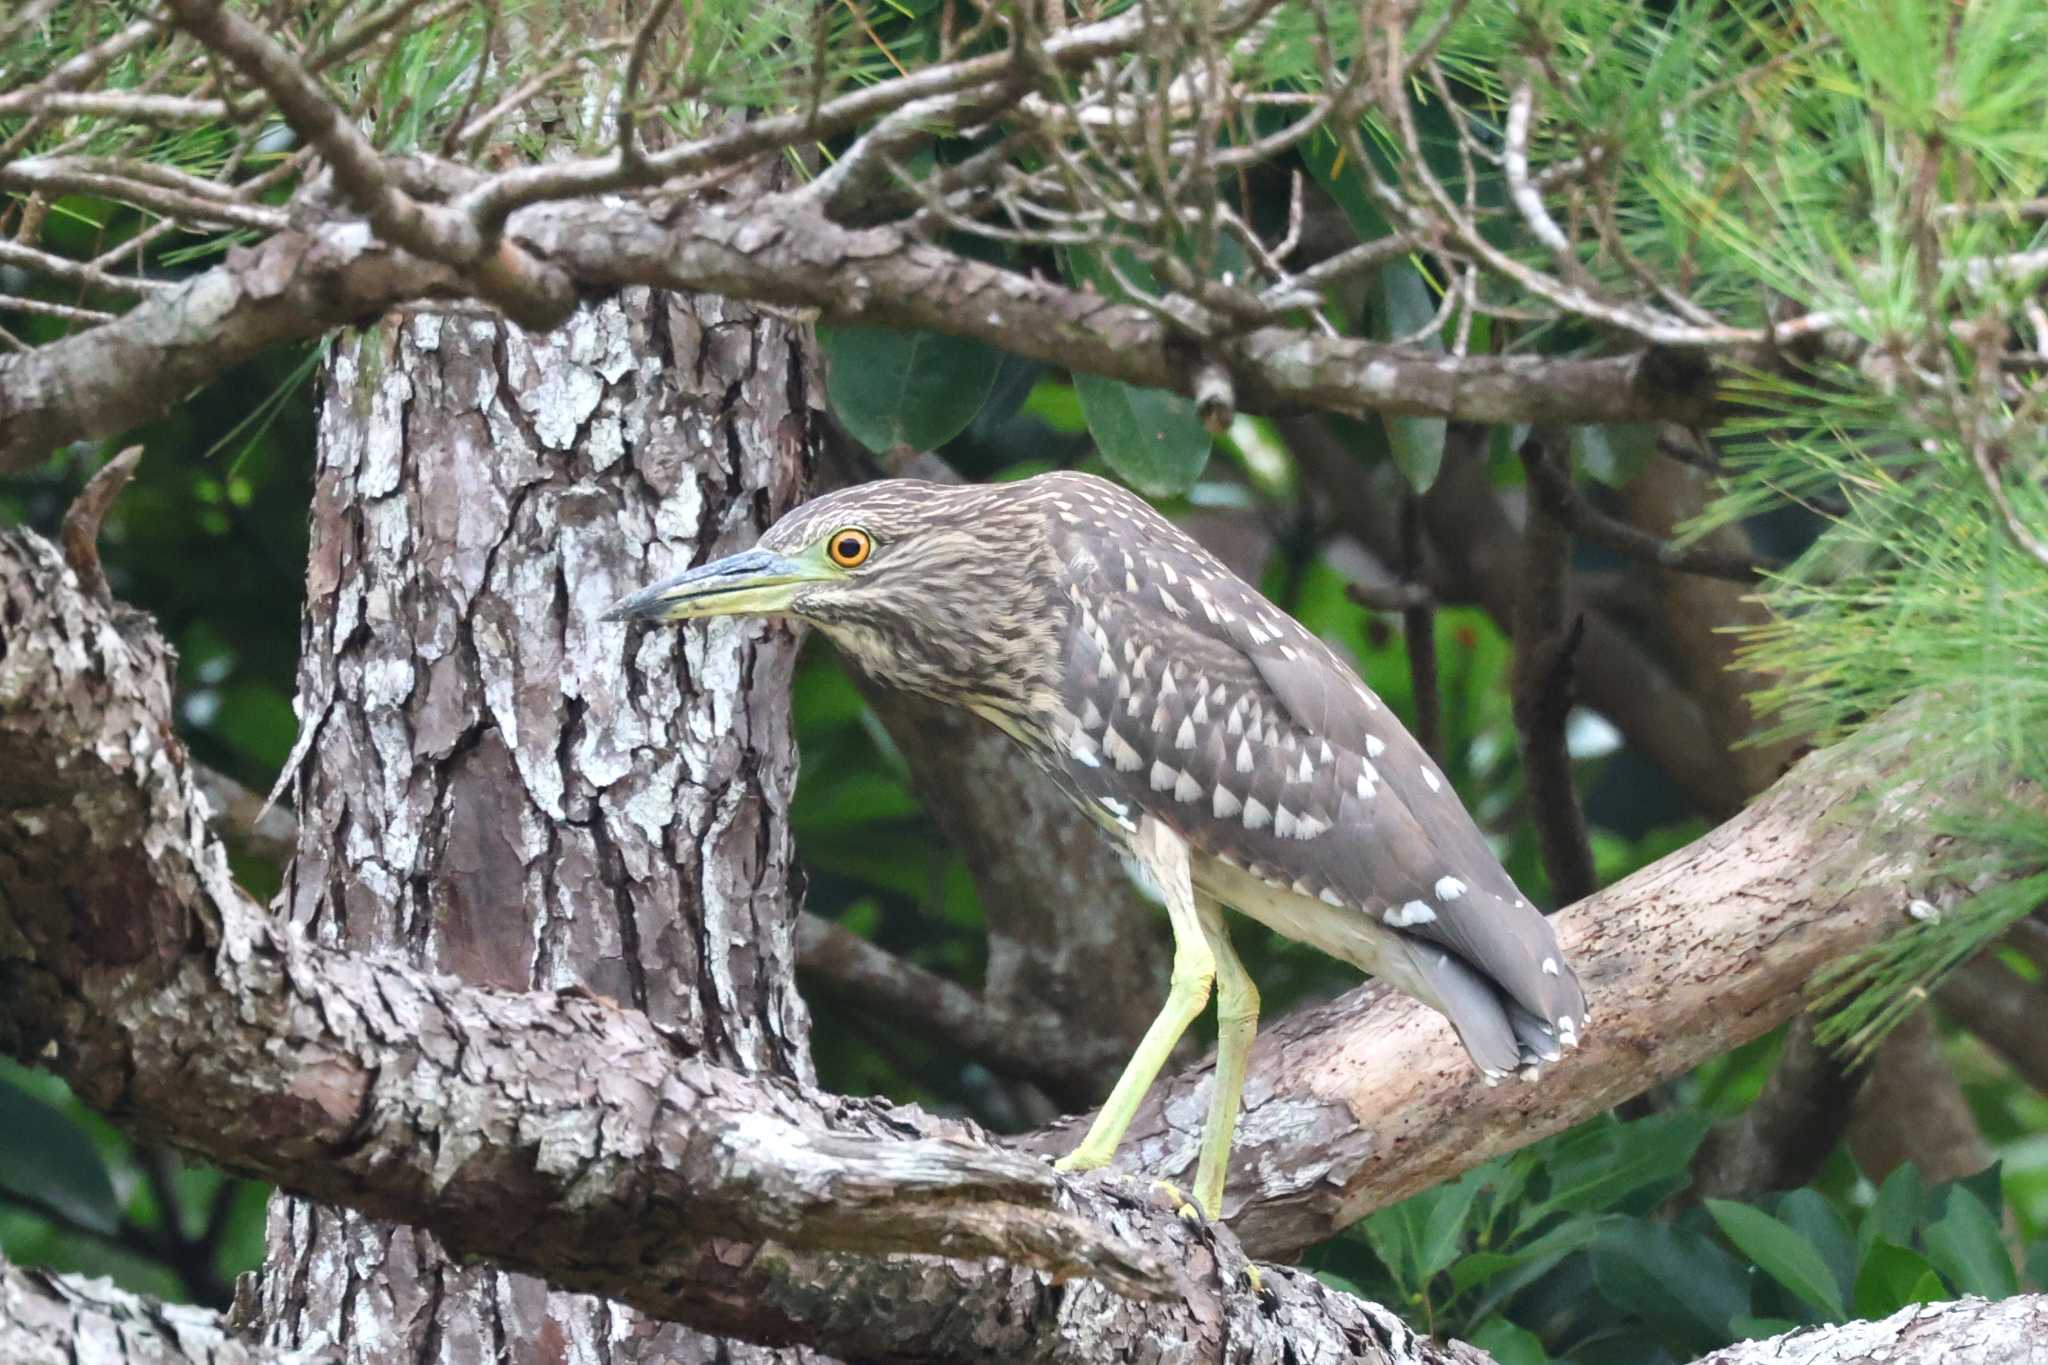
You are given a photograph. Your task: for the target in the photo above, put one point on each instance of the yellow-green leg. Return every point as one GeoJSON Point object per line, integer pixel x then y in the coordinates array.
{"type": "Point", "coordinates": [1165, 856]}
{"type": "Point", "coordinates": [1237, 1023]}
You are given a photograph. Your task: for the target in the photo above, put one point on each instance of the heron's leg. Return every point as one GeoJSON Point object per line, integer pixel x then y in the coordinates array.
{"type": "Point", "coordinates": [1165, 856]}
{"type": "Point", "coordinates": [1237, 1023]}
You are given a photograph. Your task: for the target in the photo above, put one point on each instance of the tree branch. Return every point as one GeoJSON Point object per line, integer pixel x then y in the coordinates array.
{"type": "Point", "coordinates": [560, 1135]}
{"type": "Point", "coordinates": [553, 1133]}
{"type": "Point", "coordinates": [299, 285]}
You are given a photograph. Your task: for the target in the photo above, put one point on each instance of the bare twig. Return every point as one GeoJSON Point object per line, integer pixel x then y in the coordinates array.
{"type": "Point", "coordinates": [1562, 499]}
{"type": "Point", "coordinates": [88, 510]}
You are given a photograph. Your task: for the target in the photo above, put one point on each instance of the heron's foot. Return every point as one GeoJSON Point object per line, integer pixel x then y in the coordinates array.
{"type": "Point", "coordinates": [1183, 1209]}
{"type": "Point", "coordinates": [1086, 1157]}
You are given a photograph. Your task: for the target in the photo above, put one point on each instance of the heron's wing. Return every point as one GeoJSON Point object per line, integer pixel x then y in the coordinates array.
{"type": "Point", "coordinates": [1194, 699]}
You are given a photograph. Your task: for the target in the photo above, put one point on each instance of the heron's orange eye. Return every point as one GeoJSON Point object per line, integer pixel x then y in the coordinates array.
{"type": "Point", "coordinates": [850, 548]}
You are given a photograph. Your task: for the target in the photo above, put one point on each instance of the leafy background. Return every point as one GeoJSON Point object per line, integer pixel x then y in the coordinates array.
{"type": "Point", "coordinates": [1585, 1247]}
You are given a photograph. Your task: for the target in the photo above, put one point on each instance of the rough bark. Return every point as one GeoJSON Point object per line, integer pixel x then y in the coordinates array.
{"type": "Point", "coordinates": [70, 1320]}
{"type": "Point", "coordinates": [497, 786]}
{"type": "Point", "coordinates": [1966, 1332]}
{"type": "Point", "coordinates": [550, 1130]}
{"type": "Point", "coordinates": [66, 1320]}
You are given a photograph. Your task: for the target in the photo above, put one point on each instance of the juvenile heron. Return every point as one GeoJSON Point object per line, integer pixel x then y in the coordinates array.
{"type": "Point", "coordinates": [1235, 757]}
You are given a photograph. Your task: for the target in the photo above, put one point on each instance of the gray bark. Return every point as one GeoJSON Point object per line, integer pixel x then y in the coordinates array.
{"type": "Point", "coordinates": [495, 785]}
{"type": "Point", "coordinates": [1967, 1332]}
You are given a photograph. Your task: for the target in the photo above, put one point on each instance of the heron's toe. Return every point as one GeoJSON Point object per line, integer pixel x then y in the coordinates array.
{"type": "Point", "coordinates": [1184, 1208]}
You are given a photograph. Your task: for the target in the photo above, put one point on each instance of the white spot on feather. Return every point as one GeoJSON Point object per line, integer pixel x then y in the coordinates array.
{"type": "Point", "coordinates": [1449, 888]}
{"type": "Point", "coordinates": [1162, 777]}
{"type": "Point", "coordinates": [1184, 738]}
{"type": "Point", "coordinates": [1225, 804]}
{"type": "Point", "coordinates": [1187, 788]}
{"type": "Point", "coordinates": [1256, 816]}
{"type": "Point", "coordinates": [1410, 913]}
{"type": "Point", "coordinates": [1120, 753]}
{"type": "Point", "coordinates": [1550, 967]}
{"type": "Point", "coordinates": [1374, 746]}
{"type": "Point", "coordinates": [1244, 755]}
{"type": "Point", "coordinates": [1431, 779]}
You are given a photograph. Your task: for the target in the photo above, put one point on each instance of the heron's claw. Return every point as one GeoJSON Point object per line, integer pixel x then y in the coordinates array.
{"type": "Point", "coordinates": [1183, 1208]}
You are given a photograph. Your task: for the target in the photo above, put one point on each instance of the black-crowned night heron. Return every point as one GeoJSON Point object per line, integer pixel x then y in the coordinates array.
{"type": "Point", "coordinates": [1235, 757]}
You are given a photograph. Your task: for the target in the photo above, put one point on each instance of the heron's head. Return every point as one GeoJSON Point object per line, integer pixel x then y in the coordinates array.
{"type": "Point", "coordinates": [943, 589]}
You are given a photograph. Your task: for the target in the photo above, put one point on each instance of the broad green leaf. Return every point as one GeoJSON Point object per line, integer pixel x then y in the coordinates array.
{"type": "Point", "coordinates": [1443, 1224]}
{"type": "Point", "coordinates": [1781, 1253]}
{"type": "Point", "coordinates": [1395, 1234]}
{"type": "Point", "coordinates": [1509, 1344]}
{"type": "Point", "coordinates": [50, 1161]}
{"type": "Point", "coordinates": [1679, 1282]}
{"type": "Point", "coordinates": [1895, 1213]}
{"type": "Point", "coordinates": [1893, 1277]}
{"type": "Point", "coordinates": [1605, 1164]}
{"type": "Point", "coordinates": [1540, 1254]}
{"type": "Point", "coordinates": [1152, 439]}
{"type": "Point", "coordinates": [1405, 307]}
{"type": "Point", "coordinates": [1813, 1216]}
{"type": "Point", "coordinates": [1966, 1246]}
{"type": "Point", "coordinates": [905, 388]}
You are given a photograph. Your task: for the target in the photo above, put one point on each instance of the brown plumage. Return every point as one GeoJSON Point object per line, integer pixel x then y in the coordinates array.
{"type": "Point", "coordinates": [1236, 759]}
{"type": "Point", "coordinates": [1148, 678]}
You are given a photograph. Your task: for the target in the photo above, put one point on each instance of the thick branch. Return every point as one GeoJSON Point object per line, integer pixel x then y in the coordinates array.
{"type": "Point", "coordinates": [553, 1133]}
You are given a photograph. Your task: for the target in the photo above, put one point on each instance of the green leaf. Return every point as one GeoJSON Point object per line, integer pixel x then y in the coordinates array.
{"type": "Point", "coordinates": [1893, 1277]}
{"type": "Point", "coordinates": [1604, 1165]}
{"type": "Point", "coordinates": [1967, 1247]}
{"type": "Point", "coordinates": [1810, 1214]}
{"type": "Point", "coordinates": [1395, 1234]}
{"type": "Point", "coordinates": [1895, 1213]}
{"type": "Point", "coordinates": [1509, 1344]}
{"type": "Point", "coordinates": [1443, 1223]}
{"type": "Point", "coordinates": [1152, 439]}
{"type": "Point", "coordinates": [2037, 1266]}
{"type": "Point", "coordinates": [50, 1161]}
{"type": "Point", "coordinates": [1679, 1282]}
{"type": "Point", "coordinates": [1781, 1253]}
{"type": "Point", "coordinates": [1539, 1254]}
{"type": "Point", "coordinates": [905, 388]}
{"type": "Point", "coordinates": [1405, 307]}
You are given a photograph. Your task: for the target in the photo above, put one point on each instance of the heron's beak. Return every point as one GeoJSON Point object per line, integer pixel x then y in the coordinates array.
{"type": "Point", "coordinates": [752, 583]}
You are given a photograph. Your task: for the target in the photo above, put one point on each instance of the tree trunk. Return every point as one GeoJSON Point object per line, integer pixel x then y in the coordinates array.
{"type": "Point", "coordinates": [494, 785]}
